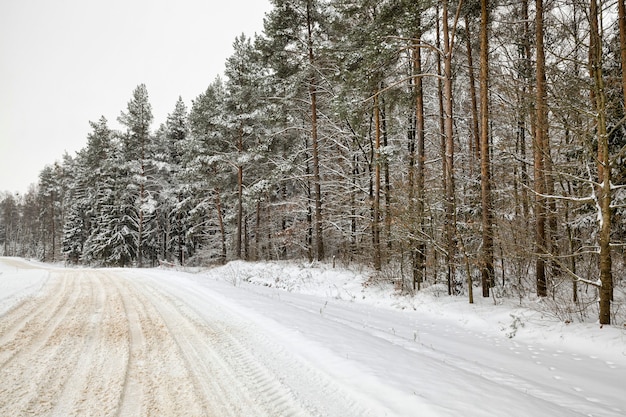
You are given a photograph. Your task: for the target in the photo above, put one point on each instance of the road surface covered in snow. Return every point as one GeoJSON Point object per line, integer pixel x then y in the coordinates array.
{"type": "Point", "coordinates": [78, 342]}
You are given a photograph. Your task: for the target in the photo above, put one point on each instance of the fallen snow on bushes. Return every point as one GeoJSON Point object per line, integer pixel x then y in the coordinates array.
{"type": "Point", "coordinates": [503, 317]}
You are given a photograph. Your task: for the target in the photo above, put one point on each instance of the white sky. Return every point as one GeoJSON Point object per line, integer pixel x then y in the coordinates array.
{"type": "Point", "coordinates": [66, 62]}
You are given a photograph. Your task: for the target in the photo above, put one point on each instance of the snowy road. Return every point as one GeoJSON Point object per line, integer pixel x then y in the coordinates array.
{"type": "Point", "coordinates": [159, 343]}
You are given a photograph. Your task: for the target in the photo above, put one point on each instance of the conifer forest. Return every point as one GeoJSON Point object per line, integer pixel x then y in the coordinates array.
{"type": "Point", "coordinates": [477, 146]}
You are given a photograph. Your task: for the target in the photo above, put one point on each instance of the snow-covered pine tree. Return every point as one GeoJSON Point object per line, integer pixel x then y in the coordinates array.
{"type": "Point", "coordinates": [136, 150]}
{"type": "Point", "coordinates": [50, 195]}
{"type": "Point", "coordinates": [206, 176]}
{"type": "Point", "coordinates": [293, 35]}
{"type": "Point", "coordinates": [9, 225]}
{"type": "Point", "coordinates": [248, 145]}
{"type": "Point", "coordinates": [112, 241]}
{"type": "Point", "coordinates": [75, 223]}
{"type": "Point", "coordinates": [173, 211]}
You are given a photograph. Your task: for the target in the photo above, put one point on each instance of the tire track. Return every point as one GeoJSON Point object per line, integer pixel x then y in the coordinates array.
{"type": "Point", "coordinates": [130, 393]}
{"type": "Point", "coordinates": [18, 323]}
{"type": "Point", "coordinates": [99, 372]}
{"type": "Point", "coordinates": [261, 369]}
{"type": "Point", "coordinates": [157, 381]}
{"type": "Point", "coordinates": [232, 385]}
{"type": "Point", "coordinates": [316, 393]}
{"type": "Point", "coordinates": [44, 355]}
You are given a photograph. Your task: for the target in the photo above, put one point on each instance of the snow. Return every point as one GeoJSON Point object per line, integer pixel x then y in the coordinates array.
{"type": "Point", "coordinates": [344, 345]}
{"type": "Point", "coordinates": [429, 354]}
{"type": "Point", "coordinates": [18, 281]}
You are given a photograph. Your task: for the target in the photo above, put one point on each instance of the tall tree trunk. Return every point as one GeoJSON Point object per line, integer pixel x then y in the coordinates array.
{"type": "Point", "coordinates": [220, 220]}
{"type": "Point", "coordinates": [142, 191]}
{"type": "Point", "coordinates": [268, 221]}
{"type": "Point", "coordinates": [246, 238]}
{"type": "Point", "coordinates": [386, 177]}
{"type": "Point", "coordinates": [420, 123]}
{"type": "Point", "coordinates": [541, 134]}
{"type": "Point", "coordinates": [353, 205]}
{"type": "Point", "coordinates": [238, 244]}
{"type": "Point", "coordinates": [474, 142]}
{"type": "Point", "coordinates": [604, 193]}
{"type": "Point", "coordinates": [418, 246]}
{"type": "Point", "coordinates": [526, 69]}
{"type": "Point", "coordinates": [442, 129]}
{"type": "Point", "coordinates": [450, 206]}
{"type": "Point", "coordinates": [487, 268]}
{"type": "Point", "coordinates": [52, 226]}
{"type": "Point", "coordinates": [257, 232]}
{"type": "Point", "coordinates": [282, 249]}
{"type": "Point", "coordinates": [309, 207]}
{"type": "Point", "coordinates": [621, 15]}
{"type": "Point", "coordinates": [376, 202]}
{"type": "Point", "coordinates": [314, 136]}
{"type": "Point", "coordinates": [181, 236]}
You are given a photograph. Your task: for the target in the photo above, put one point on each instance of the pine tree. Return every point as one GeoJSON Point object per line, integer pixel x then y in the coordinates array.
{"type": "Point", "coordinates": [112, 241]}
{"type": "Point", "coordinates": [249, 138]}
{"type": "Point", "coordinates": [293, 33]}
{"type": "Point", "coordinates": [136, 145]}
{"type": "Point", "coordinates": [174, 192]}
{"type": "Point", "coordinates": [95, 162]}
{"type": "Point", "coordinates": [50, 195]}
{"type": "Point", "coordinates": [9, 225]}
{"type": "Point", "coordinates": [206, 175]}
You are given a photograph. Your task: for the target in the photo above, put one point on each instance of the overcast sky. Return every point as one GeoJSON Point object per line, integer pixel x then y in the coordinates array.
{"type": "Point", "coordinates": [66, 62]}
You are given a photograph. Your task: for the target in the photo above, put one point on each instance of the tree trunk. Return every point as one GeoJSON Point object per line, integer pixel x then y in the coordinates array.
{"type": "Point", "coordinates": [315, 145]}
{"type": "Point", "coordinates": [220, 220]}
{"type": "Point", "coordinates": [52, 226]}
{"type": "Point", "coordinates": [474, 142]}
{"type": "Point", "coordinates": [418, 247]}
{"type": "Point", "coordinates": [442, 129]}
{"type": "Point", "coordinates": [376, 202]}
{"type": "Point", "coordinates": [450, 205]}
{"type": "Point", "coordinates": [181, 236]}
{"type": "Point", "coordinates": [604, 192]}
{"type": "Point", "coordinates": [420, 122]}
{"type": "Point", "coordinates": [353, 206]}
{"type": "Point", "coordinates": [526, 68]}
{"type": "Point", "coordinates": [257, 232]}
{"type": "Point", "coordinates": [541, 134]}
{"type": "Point", "coordinates": [621, 15]}
{"type": "Point", "coordinates": [238, 247]}
{"type": "Point", "coordinates": [268, 222]}
{"type": "Point", "coordinates": [387, 179]}
{"type": "Point", "coordinates": [309, 208]}
{"type": "Point", "coordinates": [487, 268]}
{"type": "Point", "coordinates": [142, 191]}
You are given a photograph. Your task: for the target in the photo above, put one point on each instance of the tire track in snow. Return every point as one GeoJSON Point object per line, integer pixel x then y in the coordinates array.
{"type": "Point", "coordinates": [157, 382]}
{"type": "Point", "coordinates": [18, 323]}
{"type": "Point", "coordinates": [43, 354]}
{"type": "Point", "coordinates": [99, 374]}
{"type": "Point", "coordinates": [223, 364]}
{"type": "Point", "coordinates": [283, 384]}
{"type": "Point", "coordinates": [129, 401]}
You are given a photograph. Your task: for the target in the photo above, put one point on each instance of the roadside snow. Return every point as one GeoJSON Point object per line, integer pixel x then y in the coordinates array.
{"type": "Point", "coordinates": [18, 281]}
{"type": "Point", "coordinates": [506, 319]}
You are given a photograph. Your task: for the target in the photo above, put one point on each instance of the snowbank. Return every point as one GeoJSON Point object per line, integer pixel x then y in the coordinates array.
{"type": "Point", "coordinates": [506, 318]}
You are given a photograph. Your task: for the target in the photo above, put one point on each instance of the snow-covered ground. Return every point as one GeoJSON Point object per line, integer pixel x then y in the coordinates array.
{"type": "Point", "coordinates": [283, 339]}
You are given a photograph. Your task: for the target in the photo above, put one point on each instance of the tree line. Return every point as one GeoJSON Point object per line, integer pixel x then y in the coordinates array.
{"type": "Point", "coordinates": [450, 144]}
